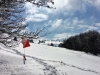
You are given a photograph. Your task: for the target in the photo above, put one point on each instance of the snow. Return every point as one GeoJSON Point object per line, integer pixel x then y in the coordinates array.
{"type": "Point", "coordinates": [4, 35]}
{"type": "Point", "coordinates": [47, 60]}
{"type": "Point", "coordinates": [47, 42]}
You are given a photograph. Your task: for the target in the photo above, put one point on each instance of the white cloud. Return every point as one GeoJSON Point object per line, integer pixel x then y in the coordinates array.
{"type": "Point", "coordinates": [68, 6]}
{"type": "Point", "coordinates": [97, 3]}
{"type": "Point", "coordinates": [36, 18]}
{"type": "Point", "coordinates": [30, 8]}
{"type": "Point", "coordinates": [87, 27]}
{"type": "Point", "coordinates": [97, 24]}
{"type": "Point", "coordinates": [62, 25]}
{"type": "Point", "coordinates": [33, 13]}
{"type": "Point", "coordinates": [56, 23]}
{"type": "Point", "coordinates": [77, 21]}
{"type": "Point", "coordinates": [63, 35]}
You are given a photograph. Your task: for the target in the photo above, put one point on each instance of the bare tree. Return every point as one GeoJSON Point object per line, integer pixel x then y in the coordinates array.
{"type": "Point", "coordinates": [11, 21]}
{"type": "Point", "coordinates": [34, 35]}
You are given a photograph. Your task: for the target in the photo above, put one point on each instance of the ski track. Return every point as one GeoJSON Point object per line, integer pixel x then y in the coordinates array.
{"type": "Point", "coordinates": [62, 63]}
{"type": "Point", "coordinates": [50, 70]}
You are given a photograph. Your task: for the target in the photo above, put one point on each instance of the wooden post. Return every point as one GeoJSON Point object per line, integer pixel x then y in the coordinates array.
{"type": "Point", "coordinates": [24, 58]}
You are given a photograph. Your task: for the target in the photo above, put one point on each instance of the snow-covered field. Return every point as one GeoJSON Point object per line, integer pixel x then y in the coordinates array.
{"type": "Point", "coordinates": [47, 60]}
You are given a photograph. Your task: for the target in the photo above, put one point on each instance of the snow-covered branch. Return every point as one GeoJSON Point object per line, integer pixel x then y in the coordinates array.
{"type": "Point", "coordinates": [11, 21]}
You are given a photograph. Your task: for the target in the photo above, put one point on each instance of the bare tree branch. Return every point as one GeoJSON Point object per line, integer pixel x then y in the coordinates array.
{"type": "Point", "coordinates": [12, 24]}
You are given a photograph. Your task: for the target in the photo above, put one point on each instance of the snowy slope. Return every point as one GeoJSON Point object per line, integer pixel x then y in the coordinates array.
{"type": "Point", "coordinates": [47, 60]}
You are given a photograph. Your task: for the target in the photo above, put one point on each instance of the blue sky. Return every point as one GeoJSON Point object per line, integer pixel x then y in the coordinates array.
{"type": "Point", "coordinates": [71, 17]}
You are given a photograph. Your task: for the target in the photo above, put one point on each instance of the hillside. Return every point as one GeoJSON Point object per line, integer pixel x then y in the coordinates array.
{"type": "Point", "coordinates": [47, 60]}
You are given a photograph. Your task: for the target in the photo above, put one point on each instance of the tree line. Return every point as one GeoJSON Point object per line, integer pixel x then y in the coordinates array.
{"type": "Point", "coordinates": [88, 42]}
